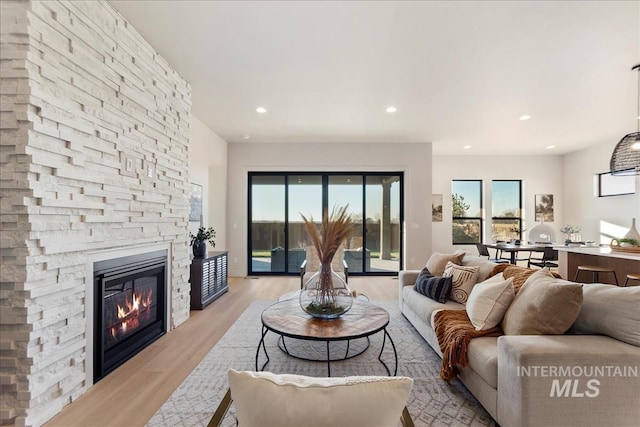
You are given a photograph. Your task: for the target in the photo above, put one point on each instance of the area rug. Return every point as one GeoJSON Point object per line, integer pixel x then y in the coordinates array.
{"type": "Point", "coordinates": [432, 402]}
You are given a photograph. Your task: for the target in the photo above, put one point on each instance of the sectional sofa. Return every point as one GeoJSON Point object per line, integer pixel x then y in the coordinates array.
{"type": "Point", "coordinates": [589, 376]}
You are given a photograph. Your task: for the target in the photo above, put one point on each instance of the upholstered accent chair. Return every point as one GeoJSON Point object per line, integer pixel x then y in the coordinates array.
{"type": "Point", "coordinates": [312, 264]}
{"type": "Point", "coordinates": [268, 399]}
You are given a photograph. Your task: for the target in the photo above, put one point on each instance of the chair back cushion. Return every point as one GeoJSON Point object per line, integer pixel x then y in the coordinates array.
{"type": "Point", "coordinates": [313, 262]}
{"type": "Point", "coordinates": [267, 399]}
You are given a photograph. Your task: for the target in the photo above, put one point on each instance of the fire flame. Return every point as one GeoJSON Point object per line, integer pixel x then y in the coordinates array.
{"type": "Point", "coordinates": [130, 314]}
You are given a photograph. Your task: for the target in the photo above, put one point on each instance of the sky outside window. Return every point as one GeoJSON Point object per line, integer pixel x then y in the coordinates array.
{"type": "Point", "coordinates": [505, 198]}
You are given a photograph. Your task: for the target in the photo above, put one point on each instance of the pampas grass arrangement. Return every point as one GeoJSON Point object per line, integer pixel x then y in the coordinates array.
{"type": "Point", "coordinates": [333, 231]}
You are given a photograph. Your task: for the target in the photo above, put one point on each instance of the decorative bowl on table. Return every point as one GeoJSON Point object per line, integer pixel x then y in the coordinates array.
{"type": "Point", "coordinates": [624, 245]}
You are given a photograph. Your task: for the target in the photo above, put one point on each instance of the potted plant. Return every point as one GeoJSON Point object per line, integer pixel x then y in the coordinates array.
{"type": "Point", "coordinates": [624, 242]}
{"type": "Point", "coordinates": [200, 239]}
{"type": "Point", "coordinates": [571, 233]}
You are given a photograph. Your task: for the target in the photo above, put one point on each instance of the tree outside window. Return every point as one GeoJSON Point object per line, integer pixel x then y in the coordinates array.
{"type": "Point", "coordinates": [466, 208]}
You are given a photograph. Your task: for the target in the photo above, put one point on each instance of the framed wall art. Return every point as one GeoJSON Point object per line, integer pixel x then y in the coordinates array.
{"type": "Point", "coordinates": [436, 207]}
{"type": "Point", "coordinates": [544, 207]}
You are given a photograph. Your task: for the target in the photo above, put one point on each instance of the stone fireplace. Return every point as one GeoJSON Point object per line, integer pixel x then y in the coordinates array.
{"type": "Point", "coordinates": [95, 166]}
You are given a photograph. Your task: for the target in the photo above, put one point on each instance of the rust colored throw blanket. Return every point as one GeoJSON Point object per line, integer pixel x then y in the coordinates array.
{"type": "Point", "coordinates": [454, 329]}
{"type": "Point", "coordinates": [454, 332]}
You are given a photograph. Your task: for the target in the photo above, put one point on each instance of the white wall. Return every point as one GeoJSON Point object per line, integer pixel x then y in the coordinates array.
{"type": "Point", "coordinates": [539, 175]}
{"type": "Point", "coordinates": [209, 169]}
{"type": "Point", "coordinates": [412, 159]}
{"type": "Point", "coordinates": [600, 218]}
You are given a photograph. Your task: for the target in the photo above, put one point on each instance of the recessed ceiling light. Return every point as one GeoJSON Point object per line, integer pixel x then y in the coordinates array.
{"type": "Point", "coordinates": [246, 136]}
{"type": "Point", "coordinates": [261, 110]}
{"type": "Point", "coordinates": [466, 147]}
{"type": "Point", "coordinates": [550, 147]}
{"type": "Point", "coordinates": [391, 109]}
{"type": "Point", "coordinates": [524, 117]}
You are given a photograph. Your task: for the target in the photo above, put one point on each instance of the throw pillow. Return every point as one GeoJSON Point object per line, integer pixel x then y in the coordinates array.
{"type": "Point", "coordinates": [544, 306]}
{"type": "Point", "coordinates": [485, 267]}
{"type": "Point", "coordinates": [463, 278]}
{"type": "Point", "coordinates": [267, 399]}
{"type": "Point", "coordinates": [489, 301]}
{"type": "Point", "coordinates": [437, 262]}
{"type": "Point", "coordinates": [497, 270]}
{"type": "Point", "coordinates": [436, 288]}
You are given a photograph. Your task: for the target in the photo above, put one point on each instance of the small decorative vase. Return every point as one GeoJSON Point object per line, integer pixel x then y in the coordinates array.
{"type": "Point", "coordinates": [199, 249]}
{"type": "Point", "coordinates": [326, 295]}
{"type": "Point", "coordinates": [633, 232]}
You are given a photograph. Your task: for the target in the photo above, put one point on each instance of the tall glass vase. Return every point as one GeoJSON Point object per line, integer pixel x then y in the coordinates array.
{"type": "Point", "coordinates": [326, 295]}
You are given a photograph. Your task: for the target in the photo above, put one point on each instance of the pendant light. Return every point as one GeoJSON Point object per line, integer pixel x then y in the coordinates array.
{"type": "Point", "coordinates": [625, 159]}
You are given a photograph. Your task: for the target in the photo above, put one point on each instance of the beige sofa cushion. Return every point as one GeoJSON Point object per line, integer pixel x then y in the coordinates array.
{"type": "Point", "coordinates": [610, 310]}
{"type": "Point", "coordinates": [424, 306]}
{"type": "Point", "coordinates": [437, 261]}
{"type": "Point", "coordinates": [267, 399]}
{"type": "Point", "coordinates": [489, 301]}
{"type": "Point", "coordinates": [483, 358]}
{"type": "Point", "coordinates": [543, 306]}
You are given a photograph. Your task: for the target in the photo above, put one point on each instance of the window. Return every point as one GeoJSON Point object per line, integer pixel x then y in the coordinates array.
{"type": "Point", "coordinates": [606, 184]}
{"type": "Point", "coordinates": [466, 208]}
{"type": "Point", "coordinates": [506, 208]}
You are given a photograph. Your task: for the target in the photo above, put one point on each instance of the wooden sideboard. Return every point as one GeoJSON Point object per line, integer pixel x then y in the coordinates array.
{"type": "Point", "coordinates": [569, 258]}
{"type": "Point", "coordinates": [208, 278]}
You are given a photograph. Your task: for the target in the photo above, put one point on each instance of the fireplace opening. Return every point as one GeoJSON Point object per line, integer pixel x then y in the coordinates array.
{"type": "Point", "coordinates": [129, 308]}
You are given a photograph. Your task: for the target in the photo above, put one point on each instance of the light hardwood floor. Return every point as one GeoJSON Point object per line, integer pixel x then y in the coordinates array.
{"type": "Point", "coordinates": [131, 394]}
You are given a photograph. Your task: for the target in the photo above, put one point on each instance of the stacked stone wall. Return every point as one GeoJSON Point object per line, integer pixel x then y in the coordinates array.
{"type": "Point", "coordinates": [94, 156]}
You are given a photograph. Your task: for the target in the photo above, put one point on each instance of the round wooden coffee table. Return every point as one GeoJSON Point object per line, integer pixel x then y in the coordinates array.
{"type": "Point", "coordinates": [287, 319]}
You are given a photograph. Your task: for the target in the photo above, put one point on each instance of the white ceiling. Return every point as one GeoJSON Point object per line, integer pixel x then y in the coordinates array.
{"type": "Point", "coordinates": [459, 72]}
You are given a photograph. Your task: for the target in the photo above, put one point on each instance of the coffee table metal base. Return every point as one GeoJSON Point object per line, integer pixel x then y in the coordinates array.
{"type": "Point", "coordinates": [359, 349]}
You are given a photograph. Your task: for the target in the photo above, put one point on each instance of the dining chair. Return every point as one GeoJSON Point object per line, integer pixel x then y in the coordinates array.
{"type": "Point", "coordinates": [517, 257]}
{"type": "Point", "coordinates": [484, 251]}
{"type": "Point", "coordinates": [546, 261]}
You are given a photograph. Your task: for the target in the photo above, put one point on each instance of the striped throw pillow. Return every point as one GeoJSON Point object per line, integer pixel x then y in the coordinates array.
{"type": "Point", "coordinates": [436, 288]}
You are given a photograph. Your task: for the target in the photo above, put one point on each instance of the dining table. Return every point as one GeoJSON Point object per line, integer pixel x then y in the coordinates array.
{"type": "Point", "coordinates": [513, 249]}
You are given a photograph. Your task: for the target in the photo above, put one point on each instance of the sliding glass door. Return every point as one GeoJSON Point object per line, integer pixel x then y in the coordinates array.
{"type": "Point", "coordinates": [383, 221]}
{"type": "Point", "coordinates": [277, 201]}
